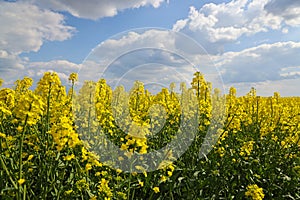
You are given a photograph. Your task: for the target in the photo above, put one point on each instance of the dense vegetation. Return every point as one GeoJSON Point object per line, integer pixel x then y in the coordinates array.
{"type": "Point", "coordinates": [48, 138]}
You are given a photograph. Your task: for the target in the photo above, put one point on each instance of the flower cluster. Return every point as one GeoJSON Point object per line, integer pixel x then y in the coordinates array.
{"type": "Point", "coordinates": [255, 192]}
{"type": "Point", "coordinates": [51, 138]}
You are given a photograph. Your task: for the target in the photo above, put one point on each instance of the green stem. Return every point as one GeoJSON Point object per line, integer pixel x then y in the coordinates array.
{"type": "Point", "coordinates": [7, 172]}
{"type": "Point", "coordinates": [72, 90]}
{"type": "Point", "coordinates": [128, 192]}
{"type": "Point", "coordinates": [20, 158]}
{"type": "Point", "coordinates": [151, 195]}
{"type": "Point", "coordinates": [24, 193]}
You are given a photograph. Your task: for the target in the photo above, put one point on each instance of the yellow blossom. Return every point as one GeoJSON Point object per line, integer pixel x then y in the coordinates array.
{"type": "Point", "coordinates": [247, 148]}
{"type": "Point", "coordinates": [69, 157]}
{"type": "Point", "coordinates": [163, 178]}
{"type": "Point", "coordinates": [68, 192]}
{"type": "Point", "coordinates": [156, 189]}
{"type": "Point", "coordinates": [30, 157]}
{"type": "Point", "coordinates": [21, 181]}
{"type": "Point", "coordinates": [88, 167]}
{"type": "Point", "coordinates": [97, 173]}
{"type": "Point", "coordinates": [255, 192]}
{"type": "Point", "coordinates": [19, 129]}
{"type": "Point", "coordinates": [73, 77]}
{"type": "Point", "coordinates": [93, 198]}
{"type": "Point", "coordinates": [104, 188]}
{"type": "Point", "coordinates": [121, 195]}
{"type": "Point", "coordinates": [141, 183]}
{"type": "Point", "coordinates": [2, 135]}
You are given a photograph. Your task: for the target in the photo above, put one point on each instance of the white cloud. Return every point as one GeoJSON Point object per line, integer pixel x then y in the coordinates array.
{"type": "Point", "coordinates": [153, 55]}
{"type": "Point", "coordinates": [60, 65]}
{"type": "Point", "coordinates": [145, 38]}
{"type": "Point", "coordinates": [10, 60]}
{"type": "Point", "coordinates": [24, 27]}
{"type": "Point", "coordinates": [286, 87]}
{"type": "Point", "coordinates": [94, 9]}
{"type": "Point", "coordinates": [266, 62]}
{"type": "Point", "coordinates": [36, 70]}
{"type": "Point", "coordinates": [63, 67]}
{"type": "Point", "coordinates": [215, 25]}
{"type": "Point", "coordinates": [267, 67]}
{"type": "Point", "coordinates": [288, 9]}
{"type": "Point", "coordinates": [133, 50]}
{"type": "Point", "coordinates": [180, 24]}
{"type": "Point", "coordinates": [11, 67]}
{"type": "Point", "coordinates": [117, 55]}
{"type": "Point", "coordinates": [285, 30]}
{"type": "Point", "coordinates": [290, 72]}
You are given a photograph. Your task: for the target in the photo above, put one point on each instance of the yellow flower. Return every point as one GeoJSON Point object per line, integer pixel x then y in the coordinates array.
{"type": "Point", "coordinates": [145, 173]}
{"type": "Point", "coordinates": [97, 174]}
{"type": "Point", "coordinates": [171, 167]}
{"type": "Point", "coordinates": [140, 168]}
{"type": "Point", "coordinates": [69, 157]}
{"type": "Point", "coordinates": [104, 173]}
{"type": "Point", "coordinates": [121, 195]}
{"type": "Point", "coordinates": [30, 157]}
{"type": "Point", "coordinates": [82, 184]}
{"type": "Point", "coordinates": [163, 178]}
{"type": "Point", "coordinates": [73, 77]}
{"type": "Point", "coordinates": [143, 150]}
{"type": "Point", "coordinates": [247, 148]}
{"type": "Point", "coordinates": [156, 189]}
{"type": "Point", "coordinates": [141, 183]}
{"type": "Point", "coordinates": [104, 188]}
{"type": "Point", "coordinates": [1, 81]}
{"type": "Point", "coordinates": [21, 181]}
{"type": "Point", "coordinates": [20, 129]}
{"type": "Point", "coordinates": [88, 167]}
{"type": "Point", "coordinates": [68, 192]}
{"type": "Point", "coordinates": [93, 198]}
{"type": "Point", "coordinates": [124, 147]}
{"type": "Point", "coordinates": [255, 192]}
{"type": "Point", "coordinates": [2, 135]}
{"type": "Point", "coordinates": [128, 154]}
{"type": "Point", "coordinates": [29, 107]}
{"type": "Point", "coordinates": [134, 173]}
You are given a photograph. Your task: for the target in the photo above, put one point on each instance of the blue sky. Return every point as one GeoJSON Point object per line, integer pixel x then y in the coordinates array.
{"type": "Point", "coordinates": [244, 43]}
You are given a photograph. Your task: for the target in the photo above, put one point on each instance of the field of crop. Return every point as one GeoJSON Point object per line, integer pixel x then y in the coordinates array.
{"type": "Point", "coordinates": [54, 143]}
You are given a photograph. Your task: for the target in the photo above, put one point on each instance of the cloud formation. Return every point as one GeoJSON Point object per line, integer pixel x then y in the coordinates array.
{"type": "Point", "coordinates": [150, 55]}
{"type": "Point", "coordinates": [215, 25]}
{"type": "Point", "coordinates": [286, 87]}
{"type": "Point", "coordinates": [94, 9]}
{"type": "Point", "coordinates": [154, 54]}
{"type": "Point", "coordinates": [24, 27]}
{"type": "Point", "coordinates": [266, 62]}
{"type": "Point", "coordinates": [288, 9]}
